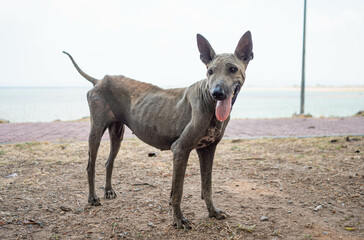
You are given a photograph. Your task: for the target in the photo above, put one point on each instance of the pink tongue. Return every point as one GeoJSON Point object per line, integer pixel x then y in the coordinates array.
{"type": "Point", "coordinates": [223, 109]}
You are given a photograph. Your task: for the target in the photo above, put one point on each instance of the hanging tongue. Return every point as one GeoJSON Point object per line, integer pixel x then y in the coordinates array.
{"type": "Point", "coordinates": [223, 108]}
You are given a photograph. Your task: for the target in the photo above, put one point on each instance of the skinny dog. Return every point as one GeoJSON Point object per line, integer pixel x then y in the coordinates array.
{"type": "Point", "coordinates": [179, 120]}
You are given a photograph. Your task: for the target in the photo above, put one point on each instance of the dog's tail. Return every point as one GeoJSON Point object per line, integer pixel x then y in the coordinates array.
{"type": "Point", "coordinates": [94, 81]}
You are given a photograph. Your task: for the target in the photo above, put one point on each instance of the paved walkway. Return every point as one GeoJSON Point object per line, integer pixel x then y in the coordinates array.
{"type": "Point", "coordinates": [242, 128]}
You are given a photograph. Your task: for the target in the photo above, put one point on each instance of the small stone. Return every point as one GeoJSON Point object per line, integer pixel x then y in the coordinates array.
{"type": "Point", "coordinates": [317, 208]}
{"type": "Point", "coordinates": [152, 154]}
{"type": "Point", "coordinates": [264, 218]}
{"type": "Point", "coordinates": [65, 209]}
{"type": "Point", "coordinates": [123, 235]}
{"type": "Point", "coordinates": [12, 175]}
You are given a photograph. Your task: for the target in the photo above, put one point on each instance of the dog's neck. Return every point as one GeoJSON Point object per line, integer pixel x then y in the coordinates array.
{"type": "Point", "coordinates": [204, 93]}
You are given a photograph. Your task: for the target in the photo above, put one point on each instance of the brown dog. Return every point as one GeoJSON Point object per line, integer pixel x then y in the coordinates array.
{"type": "Point", "coordinates": [177, 119]}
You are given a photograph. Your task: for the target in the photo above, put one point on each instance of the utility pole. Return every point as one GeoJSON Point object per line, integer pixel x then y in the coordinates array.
{"type": "Point", "coordinates": [302, 108]}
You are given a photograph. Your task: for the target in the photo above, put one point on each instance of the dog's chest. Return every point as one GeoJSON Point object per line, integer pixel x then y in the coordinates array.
{"type": "Point", "coordinates": [212, 133]}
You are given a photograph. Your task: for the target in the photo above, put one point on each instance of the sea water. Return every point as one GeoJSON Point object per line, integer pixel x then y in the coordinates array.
{"type": "Point", "coordinates": [43, 104]}
{"type": "Point", "coordinates": [49, 104]}
{"type": "Point", "coordinates": [284, 102]}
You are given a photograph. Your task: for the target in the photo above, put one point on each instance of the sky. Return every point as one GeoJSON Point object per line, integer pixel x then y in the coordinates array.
{"type": "Point", "coordinates": [155, 41]}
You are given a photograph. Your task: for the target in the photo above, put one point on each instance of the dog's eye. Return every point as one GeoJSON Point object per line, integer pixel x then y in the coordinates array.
{"type": "Point", "coordinates": [233, 69]}
{"type": "Point", "coordinates": [210, 72]}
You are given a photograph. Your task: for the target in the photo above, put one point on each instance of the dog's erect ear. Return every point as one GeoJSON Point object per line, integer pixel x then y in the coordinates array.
{"type": "Point", "coordinates": [206, 51]}
{"type": "Point", "coordinates": [244, 50]}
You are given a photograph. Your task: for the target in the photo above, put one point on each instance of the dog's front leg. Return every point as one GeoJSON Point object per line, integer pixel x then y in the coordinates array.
{"type": "Point", "coordinates": [206, 158]}
{"type": "Point", "coordinates": [180, 159]}
{"type": "Point", "coordinates": [181, 150]}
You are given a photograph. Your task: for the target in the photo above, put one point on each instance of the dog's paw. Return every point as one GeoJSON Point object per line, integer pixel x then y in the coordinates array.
{"type": "Point", "coordinates": [218, 214]}
{"type": "Point", "coordinates": [184, 223]}
{"type": "Point", "coordinates": [110, 193]}
{"type": "Point", "coordinates": [94, 200]}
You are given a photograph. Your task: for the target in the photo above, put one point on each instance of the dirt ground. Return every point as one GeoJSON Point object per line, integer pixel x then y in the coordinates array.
{"type": "Point", "coordinates": [310, 188]}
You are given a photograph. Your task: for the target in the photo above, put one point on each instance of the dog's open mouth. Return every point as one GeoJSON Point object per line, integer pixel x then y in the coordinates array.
{"type": "Point", "coordinates": [235, 94]}
{"type": "Point", "coordinates": [223, 107]}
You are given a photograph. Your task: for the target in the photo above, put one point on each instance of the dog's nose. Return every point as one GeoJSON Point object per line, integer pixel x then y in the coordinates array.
{"type": "Point", "coordinates": [218, 93]}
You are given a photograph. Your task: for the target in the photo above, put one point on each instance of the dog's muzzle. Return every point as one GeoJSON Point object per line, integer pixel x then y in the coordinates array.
{"type": "Point", "coordinates": [224, 103]}
{"type": "Point", "coordinates": [218, 93]}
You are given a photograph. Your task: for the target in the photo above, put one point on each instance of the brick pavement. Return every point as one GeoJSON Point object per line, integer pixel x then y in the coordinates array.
{"type": "Point", "coordinates": [237, 128]}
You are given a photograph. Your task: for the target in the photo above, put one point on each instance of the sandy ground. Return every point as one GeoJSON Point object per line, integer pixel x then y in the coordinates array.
{"type": "Point", "coordinates": [310, 188]}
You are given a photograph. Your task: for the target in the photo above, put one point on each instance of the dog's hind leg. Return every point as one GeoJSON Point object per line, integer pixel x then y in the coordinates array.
{"type": "Point", "coordinates": [116, 132]}
{"type": "Point", "coordinates": [93, 142]}
{"type": "Point", "coordinates": [206, 158]}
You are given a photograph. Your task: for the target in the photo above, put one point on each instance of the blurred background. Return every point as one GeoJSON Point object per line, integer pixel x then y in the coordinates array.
{"type": "Point", "coordinates": [155, 42]}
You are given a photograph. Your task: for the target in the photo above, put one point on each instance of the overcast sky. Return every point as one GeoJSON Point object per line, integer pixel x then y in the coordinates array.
{"type": "Point", "coordinates": [155, 41]}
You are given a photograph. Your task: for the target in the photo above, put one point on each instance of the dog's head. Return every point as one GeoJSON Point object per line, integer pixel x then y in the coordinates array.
{"type": "Point", "coordinates": [225, 72]}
